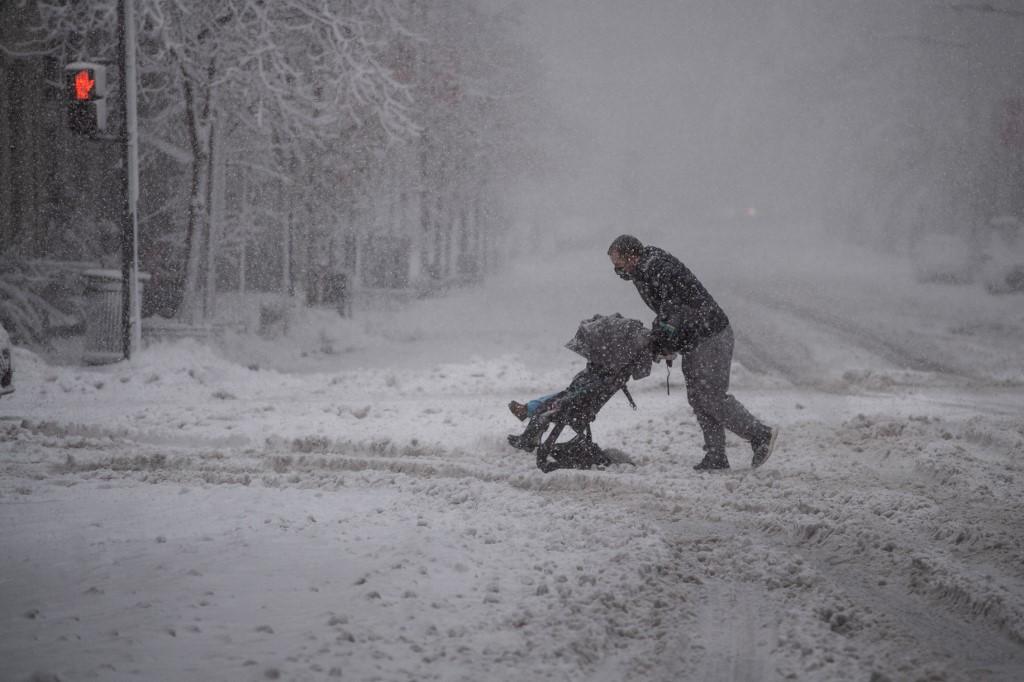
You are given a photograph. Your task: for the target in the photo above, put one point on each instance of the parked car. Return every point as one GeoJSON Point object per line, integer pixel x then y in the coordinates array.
{"type": "Point", "coordinates": [6, 368]}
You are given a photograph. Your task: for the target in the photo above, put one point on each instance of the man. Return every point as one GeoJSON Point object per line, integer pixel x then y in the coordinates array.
{"type": "Point", "coordinates": [690, 323]}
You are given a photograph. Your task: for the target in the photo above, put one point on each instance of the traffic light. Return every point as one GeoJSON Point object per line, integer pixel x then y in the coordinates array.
{"type": "Point", "coordinates": [85, 87]}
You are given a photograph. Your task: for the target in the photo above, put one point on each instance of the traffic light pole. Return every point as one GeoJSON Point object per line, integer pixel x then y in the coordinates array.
{"type": "Point", "coordinates": [131, 306]}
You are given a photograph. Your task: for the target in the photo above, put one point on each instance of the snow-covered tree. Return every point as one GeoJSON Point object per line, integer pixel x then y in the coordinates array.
{"type": "Point", "coordinates": [478, 112]}
{"type": "Point", "coordinates": [290, 75]}
{"type": "Point", "coordinates": [284, 141]}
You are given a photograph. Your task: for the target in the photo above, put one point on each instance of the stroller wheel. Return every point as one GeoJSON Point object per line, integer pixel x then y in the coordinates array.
{"type": "Point", "coordinates": [548, 466]}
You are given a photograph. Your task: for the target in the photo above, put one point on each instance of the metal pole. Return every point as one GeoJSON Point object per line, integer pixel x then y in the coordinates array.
{"type": "Point", "coordinates": [131, 328]}
{"type": "Point", "coordinates": [133, 168]}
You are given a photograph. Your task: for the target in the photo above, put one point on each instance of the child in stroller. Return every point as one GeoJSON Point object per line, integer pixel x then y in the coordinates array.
{"type": "Point", "coordinates": [616, 349]}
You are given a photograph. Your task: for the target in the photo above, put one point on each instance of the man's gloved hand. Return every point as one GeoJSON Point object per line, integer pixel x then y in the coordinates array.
{"type": "Point", "coordinates": [662, 339]}
{"type": "Point", "coordinates": [669, 359]}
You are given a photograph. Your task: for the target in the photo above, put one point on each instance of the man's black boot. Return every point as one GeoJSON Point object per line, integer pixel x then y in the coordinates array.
{"type": "Point", "coordinates": [762, 445]}
{"type": "Point", "coordinates": [712, 463]}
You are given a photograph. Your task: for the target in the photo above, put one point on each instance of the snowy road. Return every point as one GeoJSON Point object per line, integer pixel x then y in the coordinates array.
{"type": "Point", "coordinates": [804, 334]}
{"type": "Point", "coordinates": [184, 517]}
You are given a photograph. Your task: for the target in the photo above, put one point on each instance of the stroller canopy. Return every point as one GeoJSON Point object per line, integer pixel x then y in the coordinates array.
{"type": "Point", "coordinates": [614, 344]}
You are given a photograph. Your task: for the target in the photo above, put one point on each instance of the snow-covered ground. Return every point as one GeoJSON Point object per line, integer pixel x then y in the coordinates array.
{"type": "Point", "coordinates": [341, 502]}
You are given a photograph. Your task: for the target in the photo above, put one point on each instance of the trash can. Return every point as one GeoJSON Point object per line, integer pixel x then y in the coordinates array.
{"type": "Point", "coordinates": [103, 342]}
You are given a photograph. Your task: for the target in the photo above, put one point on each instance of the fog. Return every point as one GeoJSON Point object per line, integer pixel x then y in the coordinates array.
{"type": "Point", "coordinates": [305, 472]}
{"type": "Point", "coordinates": [871, 122]}
{"type": "Point", "coordinates": [506, 130]}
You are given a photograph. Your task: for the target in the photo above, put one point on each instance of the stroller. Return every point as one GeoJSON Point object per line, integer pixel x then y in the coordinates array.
{"type": "Point", "coordinates": [616, 349]}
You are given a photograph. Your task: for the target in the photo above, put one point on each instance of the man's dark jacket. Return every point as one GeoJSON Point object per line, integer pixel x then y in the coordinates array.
{"type": "Point", "coordinates": [684, 307]}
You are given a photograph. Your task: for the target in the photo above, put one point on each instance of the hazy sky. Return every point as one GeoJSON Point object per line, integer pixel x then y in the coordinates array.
{"type": "Point", "coordinates": [662, 94]}
{"type": "Point", "coordinates": [684, 109]}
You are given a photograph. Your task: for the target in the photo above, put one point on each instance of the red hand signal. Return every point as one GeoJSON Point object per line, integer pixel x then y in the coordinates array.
{"type": "Point", "coordinates": [83, 85]}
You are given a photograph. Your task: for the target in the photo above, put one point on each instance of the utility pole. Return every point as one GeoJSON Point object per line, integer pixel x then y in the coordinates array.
{"type": "Point", "coordinates": [131, 306]}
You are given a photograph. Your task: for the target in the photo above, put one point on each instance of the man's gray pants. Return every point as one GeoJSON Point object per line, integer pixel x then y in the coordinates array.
{"type": "Point", "coordinates": [706, 369]}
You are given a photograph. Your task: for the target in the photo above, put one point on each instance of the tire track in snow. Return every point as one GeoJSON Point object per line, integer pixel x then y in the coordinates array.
{"type": "Point", "coordinates": [855, 332]}
{"type": "Point", "coordinates": [756, 357]}
{"type": "Point", "coordinates": [929, 566]}
{"type": "Point", "coordinates": [973, 645]}
{"type": "Point", "coordinates": [297, 463]}
{"type": "Point", "coordinates": [733, 642]}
